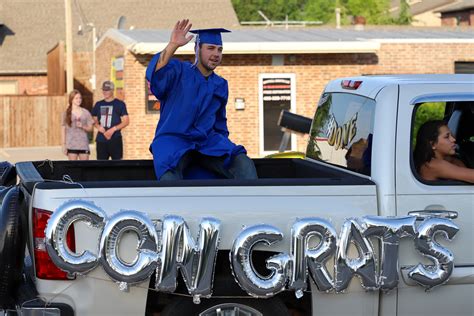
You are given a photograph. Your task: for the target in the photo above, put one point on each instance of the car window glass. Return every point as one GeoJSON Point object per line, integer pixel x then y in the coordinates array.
{"type": "Point", "coordinates": [459, 117]}
{"type": "Point", "coordinates": [342, 131]}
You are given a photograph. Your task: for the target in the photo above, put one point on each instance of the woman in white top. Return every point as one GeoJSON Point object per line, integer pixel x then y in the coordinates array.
{"type": "Point", "coordinates": [76, 122]}
{"type": "Point", "coordinates": [435, 155]}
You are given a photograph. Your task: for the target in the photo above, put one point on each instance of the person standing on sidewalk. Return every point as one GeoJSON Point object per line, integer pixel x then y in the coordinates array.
{"type": "Point", "coordinates": [110, 117]}
{"type": "Point", "coordinates": [76, 122]}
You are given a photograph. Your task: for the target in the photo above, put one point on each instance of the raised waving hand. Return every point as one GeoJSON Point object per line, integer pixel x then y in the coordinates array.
{"type": "Point", "coordinates": [178, 39]}
{"type": "Point", "coordinates": [180, 30]}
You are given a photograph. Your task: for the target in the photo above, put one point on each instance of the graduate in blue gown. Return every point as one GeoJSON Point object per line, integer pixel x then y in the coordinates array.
{"type": "Point", "coordinates": [193, 127]}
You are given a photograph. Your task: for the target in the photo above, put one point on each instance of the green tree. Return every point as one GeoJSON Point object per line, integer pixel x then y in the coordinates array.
{"type": "Point", "coordinates": [405, 15]}
{"type": "Point", "coordinates": [275, 10]}
{"type": "Point", "coordinates": [374, 11]}
{"type": "Point", "coordinates": [427, 112]}
{"type": "Point", "coordinates": [319, 10]}
{"type": "Point", "coordinates": [247, 10]}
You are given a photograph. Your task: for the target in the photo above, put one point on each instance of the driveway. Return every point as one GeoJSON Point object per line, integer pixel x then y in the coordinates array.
{"type": "Point", "coordinates": [14, 155]}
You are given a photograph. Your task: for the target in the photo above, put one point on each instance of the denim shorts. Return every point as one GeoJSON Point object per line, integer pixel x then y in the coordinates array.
{"type": "Point", "coordinates": [78, 151]}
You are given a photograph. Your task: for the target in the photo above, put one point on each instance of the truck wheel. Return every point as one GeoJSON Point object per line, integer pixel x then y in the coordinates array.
{"type": "Point", "coordinates": [7, 173]}
{"type": "Point", "coordinates": [226, 306]}
{"type": "Point", "coordinates": [12, 244]}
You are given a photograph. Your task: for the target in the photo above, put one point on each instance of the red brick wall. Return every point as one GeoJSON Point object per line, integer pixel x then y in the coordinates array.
{"type": "Point", "coordinates": [104, 54]}
{"type": "Point", "coordinates": [312, 72]}
{"type": "Point", "coordinates": [142, 126]}
{"type": "Point", "coordinates": [29, 85]}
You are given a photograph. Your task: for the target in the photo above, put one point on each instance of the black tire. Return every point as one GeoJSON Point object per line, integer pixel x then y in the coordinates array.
{"type": "Point", "coordinates": [12, 245]}
{"type": "Point", "coordinates": [185, 306]}
{"type": "Point", "coordinates": [7, 174]}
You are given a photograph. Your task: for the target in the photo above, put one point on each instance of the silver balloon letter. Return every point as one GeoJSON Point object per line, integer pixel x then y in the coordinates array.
{"type": "Point", "coordinates": [241, 262]}
{"type": "Point", "coordinates": [363, 266]}
{"type": "Point", "coordinates": [144, 263]}
{"type": "Point", "coordinates": [196, 261]}
{"type": "Point", "coordinates": [430, 276]}
{"type": "Point", "coordinates": [314, 258]}
{"type": "Point", "coordinates": [58, 225]}
{"type": "Point", "coordinates": [389, 230]}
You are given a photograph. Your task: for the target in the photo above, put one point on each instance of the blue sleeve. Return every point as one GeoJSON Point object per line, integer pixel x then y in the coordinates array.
{"type": "Point", "coordinates": [123, 110]}
{"type": "Point", "coordinates": [163, 80]}
{"type": "Point", "coordinates": [95, 110]}
{"type": "Point", "coordinates": [221, 120]}
{"type": "Point", "coordinates": [151, 67]}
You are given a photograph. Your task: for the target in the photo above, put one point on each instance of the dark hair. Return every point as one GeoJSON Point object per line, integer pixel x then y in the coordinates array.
{"type": "Point", "coordinates": [427, 136]}
{"type": "Point", "coordinates": [69, 108]}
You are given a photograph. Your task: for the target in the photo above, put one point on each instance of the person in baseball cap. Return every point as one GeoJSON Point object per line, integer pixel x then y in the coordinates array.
{"type": "Point", "coordinates": [108, 85]}
{"type": "Point", "coordinates": [110, 117]}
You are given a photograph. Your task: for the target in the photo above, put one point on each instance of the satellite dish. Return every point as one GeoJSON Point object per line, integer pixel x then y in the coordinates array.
{"type": "Point", "coordinates": [121, 22]}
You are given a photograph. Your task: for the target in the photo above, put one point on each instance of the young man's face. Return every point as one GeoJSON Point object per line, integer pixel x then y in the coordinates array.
{"type": "Point", "coordinates": [108, 94]}
{"type": "Point", "coordinates": [210, 56]}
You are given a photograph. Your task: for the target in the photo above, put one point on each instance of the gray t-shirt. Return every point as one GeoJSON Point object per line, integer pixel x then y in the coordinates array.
{"type": "Point", "coordinates": [76, 137]}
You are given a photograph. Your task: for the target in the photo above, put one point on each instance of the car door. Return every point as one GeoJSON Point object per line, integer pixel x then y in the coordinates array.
{"type": "Point", "coordinates": [456, 297]}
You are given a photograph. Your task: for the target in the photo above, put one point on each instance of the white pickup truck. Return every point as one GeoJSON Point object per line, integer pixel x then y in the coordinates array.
{"type": "Point", "coordinates": [350, 229]}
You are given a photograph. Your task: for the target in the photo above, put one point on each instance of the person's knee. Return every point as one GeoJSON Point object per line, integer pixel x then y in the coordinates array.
{"type": "Point", "coordinates": [243, 167]}
{"type": "Point", "coordinates": [170, 175]}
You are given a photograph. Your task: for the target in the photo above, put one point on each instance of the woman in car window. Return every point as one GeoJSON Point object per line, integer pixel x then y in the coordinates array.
{"type": "Point", "coordinates": [435, 157]}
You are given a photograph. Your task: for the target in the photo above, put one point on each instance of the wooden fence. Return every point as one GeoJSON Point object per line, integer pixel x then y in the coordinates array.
{"type": "Point", "coordinates": [28, 121]}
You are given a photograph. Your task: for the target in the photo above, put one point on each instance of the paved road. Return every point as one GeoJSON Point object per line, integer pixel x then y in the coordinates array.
{"type": "Point", "coordinates": [14, 155]}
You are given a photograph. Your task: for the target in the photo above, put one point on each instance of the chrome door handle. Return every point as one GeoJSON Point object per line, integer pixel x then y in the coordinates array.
{"type": "Point", "coordinates": [460, 275]}
{"type": "Point", "coordinates": [434, 213]}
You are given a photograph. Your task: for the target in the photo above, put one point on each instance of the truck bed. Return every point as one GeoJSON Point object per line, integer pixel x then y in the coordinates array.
{"type": "Point", "coordinates": [140, 173]}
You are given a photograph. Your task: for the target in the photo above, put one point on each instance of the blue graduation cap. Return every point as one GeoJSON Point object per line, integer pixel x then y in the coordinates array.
{"type": "Point", "coordinates": [209, 36]}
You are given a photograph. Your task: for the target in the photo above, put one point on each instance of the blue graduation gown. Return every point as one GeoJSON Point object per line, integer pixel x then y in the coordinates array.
{"type": "Point", "coordinates": [192, 114]}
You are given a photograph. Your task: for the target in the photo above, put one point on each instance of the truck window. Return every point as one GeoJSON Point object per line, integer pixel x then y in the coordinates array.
{"type": "Point", "coordinates": [458, 116]}
{"type": "Point", "coordinates": [342, 131]}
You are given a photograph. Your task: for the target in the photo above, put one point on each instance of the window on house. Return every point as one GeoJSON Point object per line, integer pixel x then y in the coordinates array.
{"type": "Point", "coordinates": [277, 93]}
{"type": "Point", "coordinates": [8, 87]}
{"type": "Point", "coordinates": [461, 67]}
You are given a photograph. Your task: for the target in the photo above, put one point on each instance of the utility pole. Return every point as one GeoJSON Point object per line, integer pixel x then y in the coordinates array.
{"type": "Point", "coordinates": [69, 67]}
{"type": "Point", "coordinates": [94, 39]}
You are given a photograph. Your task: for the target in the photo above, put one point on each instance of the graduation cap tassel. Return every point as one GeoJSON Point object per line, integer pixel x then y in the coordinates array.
{"type": "Point", "coordinates": [196, 49]}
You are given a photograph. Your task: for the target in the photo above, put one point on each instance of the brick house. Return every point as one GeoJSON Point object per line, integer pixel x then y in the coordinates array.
{"type": "Point", "coordinates": [423, 12]}
{"type": "Point", "coordinates": [273, 69]}
{"type": "Point", "coordinates": [458, 14]}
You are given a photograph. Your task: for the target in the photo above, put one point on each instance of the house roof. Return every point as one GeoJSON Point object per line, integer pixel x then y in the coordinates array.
{"type": "Point", "coordinates": [32, 28]}
{"type": "Point", "coordinates": [420, 6]}
{"type": "Point", "coordinates": [308, 40]}
{"type": "Point", "coordinates": [458, 6]}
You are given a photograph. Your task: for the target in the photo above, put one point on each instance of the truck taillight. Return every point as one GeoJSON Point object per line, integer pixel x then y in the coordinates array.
{"type": "Point", "coordinates": [350, 84]}
{"type": "Point", "coordinates": [45, 268]}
